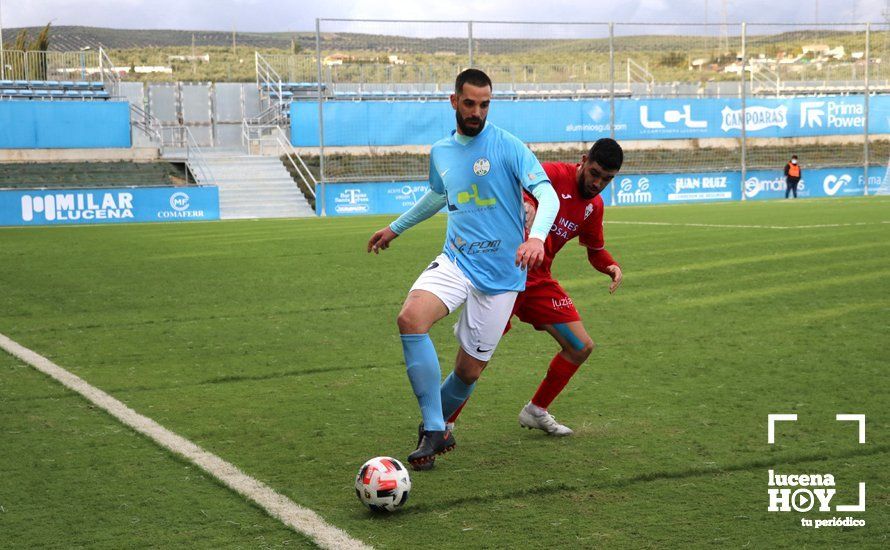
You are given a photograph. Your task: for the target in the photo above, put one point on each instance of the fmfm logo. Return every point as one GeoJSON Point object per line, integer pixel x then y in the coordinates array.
{"type": "Point", "coordinates": [671, 116]}
{"type": "Point", "coordinates": [464, 197]}
{"type": "Point", "coordinates": [806, 492]}
{"type": "Point", "coordinates": [631, 193]}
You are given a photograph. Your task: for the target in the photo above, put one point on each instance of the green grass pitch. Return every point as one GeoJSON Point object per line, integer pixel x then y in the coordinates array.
{"type": "Point", "coordinates": [273, 344]}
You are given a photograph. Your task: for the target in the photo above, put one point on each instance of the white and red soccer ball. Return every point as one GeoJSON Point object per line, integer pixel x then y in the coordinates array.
{"type": "Point", "coordinates": [383, 484]}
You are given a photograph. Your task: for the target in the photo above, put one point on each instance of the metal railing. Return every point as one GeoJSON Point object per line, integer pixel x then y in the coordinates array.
{"type": "Point", "coordinates": [108, 74]}
{"type": "Point", "coordinates": [181, 138]}
{"type": "Point", "coordinates": [268, 80]}
{"type": "Point", "coordinates": [146, 123]}
{"type": "Point", "coordinates": [278, 139]}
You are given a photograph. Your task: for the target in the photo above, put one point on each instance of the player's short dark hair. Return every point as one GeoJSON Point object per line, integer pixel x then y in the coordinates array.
{"type": "Point", "coordinates": [471, 76]}
{"type": "Point", "coordinates": [794, 156]}
{"type": "Point", "coordinates": [607, 153]}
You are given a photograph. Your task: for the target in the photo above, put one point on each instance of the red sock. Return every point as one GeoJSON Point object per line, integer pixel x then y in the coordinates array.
{"type": "Point", "coordinates": [456, 413]}
{"type": "Point", "coordinates": [558, 375]}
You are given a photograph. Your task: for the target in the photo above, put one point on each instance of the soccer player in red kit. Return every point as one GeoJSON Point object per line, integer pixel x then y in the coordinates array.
{"type": "Point", "coordinates": [545, 304]}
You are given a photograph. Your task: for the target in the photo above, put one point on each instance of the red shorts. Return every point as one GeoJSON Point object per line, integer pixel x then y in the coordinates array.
{"type": "Point", "coordinates": [544, 302]}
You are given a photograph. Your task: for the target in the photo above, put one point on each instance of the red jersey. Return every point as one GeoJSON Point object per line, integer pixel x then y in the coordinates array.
{"type": "Point", "coordinates": [577, 217]}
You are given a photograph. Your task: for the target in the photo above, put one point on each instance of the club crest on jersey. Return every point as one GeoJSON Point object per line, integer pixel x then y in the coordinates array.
{"type": "Point", "coordinates": [481, 167]}
{"type": "Point", "coordinates": [587, 211]}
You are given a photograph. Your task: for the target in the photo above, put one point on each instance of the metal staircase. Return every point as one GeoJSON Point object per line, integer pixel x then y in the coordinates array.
{"type": "Point", "coordinates": [254, 186]}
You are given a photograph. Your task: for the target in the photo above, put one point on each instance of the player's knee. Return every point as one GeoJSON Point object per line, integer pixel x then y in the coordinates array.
{"type": "Point", "coordinates": [409, 323]}
{"type": "Point", "coordinates": [468, 373]}
{"type": "Point", "coordinates": [581, 351]}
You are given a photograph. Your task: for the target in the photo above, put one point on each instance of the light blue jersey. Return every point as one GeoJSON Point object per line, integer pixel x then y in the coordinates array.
{"type": "Point", "coordinates": [482, 181]}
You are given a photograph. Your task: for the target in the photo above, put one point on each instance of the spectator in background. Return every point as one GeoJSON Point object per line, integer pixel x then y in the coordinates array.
{"type": "Point", "coordinates": [792, 176]}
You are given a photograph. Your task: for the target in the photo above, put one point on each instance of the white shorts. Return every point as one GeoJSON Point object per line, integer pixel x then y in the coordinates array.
{"type": "Point", "coordinates": [485, 316]}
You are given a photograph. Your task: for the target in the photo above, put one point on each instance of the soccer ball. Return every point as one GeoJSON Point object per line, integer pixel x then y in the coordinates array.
{"type": "Point", "coordinates": [382, 483]}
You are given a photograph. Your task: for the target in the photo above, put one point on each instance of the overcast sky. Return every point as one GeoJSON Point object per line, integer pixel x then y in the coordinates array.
{"type": "Point", "coordinates": [300, 15]}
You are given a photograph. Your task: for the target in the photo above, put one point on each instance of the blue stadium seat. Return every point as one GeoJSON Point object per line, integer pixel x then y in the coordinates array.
{"type": "Point", "coordinates": [66, 84]}
{"type": "Point", "coordinates": [97, 86]}
{"type": "Point", "coordinates": [40, 94]}
{"type": "Point", "coordinates": [20, 83]}
{"type": "Point", "coordinates": [101, 94]}
{"type": "Point", "coordinates": [9, 92]}
{"type": "Point", "coordinates": [72, 94]}
{"type": "Point", "coordinates": [82, 84]}
{"type": "Point", "coordinates": [5, 83]}
{"type": "Point", "coordinates": [56, 93]}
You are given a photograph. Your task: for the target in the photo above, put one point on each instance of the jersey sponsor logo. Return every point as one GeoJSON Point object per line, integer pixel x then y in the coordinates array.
{"type": "Point", "coordinates": [564, 228]}
{"type": "Point", "coordinates": [562, 303]}
{"type": "Point", "coordinates": [473, 195]}
{"type": "Point", "coordinates": [461, 246]}
{"type": "Point", "coordinates": [566, 196]}
{"type": "Point", "coordinates": [588, 210]}
{"type": "Point", "coordinates": [481, 167]}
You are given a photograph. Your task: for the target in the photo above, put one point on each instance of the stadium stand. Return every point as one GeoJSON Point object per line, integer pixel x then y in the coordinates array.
{"type": "Point", "coordinates": [74, 175]}
{"type": "Point", "coordinates": [52, 89]}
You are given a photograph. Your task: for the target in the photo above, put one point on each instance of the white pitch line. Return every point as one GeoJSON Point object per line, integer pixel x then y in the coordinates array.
{"type": "Point", "coordinates": [296, 517]}
{"type": "Point", "coordinates": [739, 226]}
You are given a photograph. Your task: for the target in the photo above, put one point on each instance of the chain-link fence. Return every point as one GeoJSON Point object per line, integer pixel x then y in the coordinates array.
{"type": "Point", "coordinates": [393, 78]}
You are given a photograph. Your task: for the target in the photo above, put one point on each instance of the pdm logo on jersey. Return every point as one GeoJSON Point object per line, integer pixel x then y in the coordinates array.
{"type": "Point", "coordinates": [634, 192]}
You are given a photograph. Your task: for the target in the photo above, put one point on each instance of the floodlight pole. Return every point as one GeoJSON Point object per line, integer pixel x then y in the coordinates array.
{"type": "Point", "coordinates": [867, 93]}
{"type": "Point", "coordinates": [744, 106]}
{"type": "Point", "coordinates": [320, 114]}
{"type": "Point", "coordinates": [2, 56]}
{"type": "Point", "coordinates": [612, 91]}
{"type": "Point", "coordinates": [470, 41]}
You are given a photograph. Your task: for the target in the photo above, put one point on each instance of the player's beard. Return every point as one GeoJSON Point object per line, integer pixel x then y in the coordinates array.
{"type": "Point", "coordinates": [582, 189]}
{"type": "Point", "coordinates": [464, 129]}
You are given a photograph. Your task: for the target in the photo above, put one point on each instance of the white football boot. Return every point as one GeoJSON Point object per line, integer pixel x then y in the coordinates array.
{"type": "Point", "coordinates": [536, 418]}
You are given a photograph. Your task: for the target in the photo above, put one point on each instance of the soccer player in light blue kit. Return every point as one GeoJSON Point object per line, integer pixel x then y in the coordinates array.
{"type": "Point", "coordinates": [477, 173]}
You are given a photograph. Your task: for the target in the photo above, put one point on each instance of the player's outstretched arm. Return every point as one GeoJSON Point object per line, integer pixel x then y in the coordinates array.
{"type": "Point", "coordinates": [428, 205]}
{"type": "Point", "coordinates": [381, 239]}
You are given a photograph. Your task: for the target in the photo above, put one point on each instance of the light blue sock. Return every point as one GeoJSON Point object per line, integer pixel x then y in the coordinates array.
{"type": "Point", "coordinates": [424, 374]}
{"type": "Point", "coordinates": [454, 392]}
